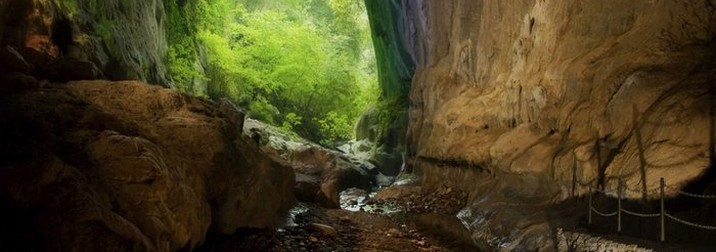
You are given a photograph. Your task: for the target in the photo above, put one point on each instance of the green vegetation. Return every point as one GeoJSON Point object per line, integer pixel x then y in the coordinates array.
{"type": "Point", "coordinates": [68, 6]}
{"type": "Point", "coordinates": [306, 66]}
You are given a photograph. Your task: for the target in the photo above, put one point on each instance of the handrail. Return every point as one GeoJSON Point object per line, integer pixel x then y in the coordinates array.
{"type": "Point", "coordinates": [641, 214]}
{"type": "Point", "coordinates": [604, 214]}
{"type": "Point", "coordinates": [662, 212]}
{"type": "Point", "coordinates": [688, 223]}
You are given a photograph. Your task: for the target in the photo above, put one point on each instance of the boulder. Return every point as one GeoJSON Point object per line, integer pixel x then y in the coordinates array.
{"type": "Point", "coordinates": [66, 69]}
{"type": "Point", "coordinates": [329, 170]}
{"type": "Point", "coordinates": [13, 61]}
{"type": "Point", "coordinates": [126, 166]}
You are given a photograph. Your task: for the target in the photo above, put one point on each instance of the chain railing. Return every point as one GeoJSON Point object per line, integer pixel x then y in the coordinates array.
{"type": "Point", "coordinates": [662, 214]}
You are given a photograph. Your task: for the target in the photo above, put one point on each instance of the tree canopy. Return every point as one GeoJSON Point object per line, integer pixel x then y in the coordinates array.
{"type": "Point", "coordinates": [307, 66]}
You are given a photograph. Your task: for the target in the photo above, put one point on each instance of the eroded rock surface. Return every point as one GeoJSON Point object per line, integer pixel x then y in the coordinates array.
{"type": "Point", "coordinates": [525, 103]}
{"type": "Point", "coordinates": [321, 173]}
{"type": "Point", "coordinates": [125, 166]}
{"type": "Point", "coordinates": [115, 39]}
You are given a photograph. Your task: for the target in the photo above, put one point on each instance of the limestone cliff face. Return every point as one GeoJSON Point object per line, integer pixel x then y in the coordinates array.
{"type": "Point", "coordinates": [123, 39]}
{"type": "Point", "coordinates": [530, 100]}
{"type": "Point", "coordinates": [385, 125]}
{"type": "Point", "coordinates": [126, 38]}
{"type": "Point", "coordinates": [547, 88]}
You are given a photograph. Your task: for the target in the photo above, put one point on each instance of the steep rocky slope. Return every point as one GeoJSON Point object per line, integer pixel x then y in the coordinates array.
{"type": "Point", "coordinates": [125, 166]}
{"type": "Point", "coordinates": [526, 102]}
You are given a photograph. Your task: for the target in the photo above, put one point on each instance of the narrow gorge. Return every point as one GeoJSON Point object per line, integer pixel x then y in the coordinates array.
{"type": "Point", "coordinates": [477, 125]}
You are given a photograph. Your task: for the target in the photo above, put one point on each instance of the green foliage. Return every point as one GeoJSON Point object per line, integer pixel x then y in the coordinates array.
{"type": "Point", "coordinates": [388, 111]}
{"type": "Point", "coordinates": [304, 65]}
{"type": "Point", "coordinates": [337, 127]}
{"type": "Point", "coordinates": [181, 53]}
{"type": "Point", "coordinates": [291, 121]}
{"type": "Point", "coordinates": [69, 6]}
{"type": "Point", "coordinates": [262, 110]}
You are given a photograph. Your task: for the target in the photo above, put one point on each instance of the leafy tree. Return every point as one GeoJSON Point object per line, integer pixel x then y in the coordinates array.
{"type": "Point", "coordinates": [304, 65]}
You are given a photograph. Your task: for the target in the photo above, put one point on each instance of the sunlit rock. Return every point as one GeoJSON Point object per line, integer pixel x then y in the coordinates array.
{"type": "Point", "coordinates": [525, 103]}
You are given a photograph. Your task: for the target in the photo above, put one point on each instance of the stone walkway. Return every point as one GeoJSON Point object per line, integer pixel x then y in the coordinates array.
{"type": "Point", "coordinates": [575, 241]}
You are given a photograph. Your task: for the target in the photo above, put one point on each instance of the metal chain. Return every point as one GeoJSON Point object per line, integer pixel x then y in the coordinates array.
{"type": "Point", "coordinates": [604, 214]}
{"type": "Point", "coordinates": [646, 215]}
{"type": "Point", "coordinates": [690, 223]}
{"type": "Point", "coordinates": [700, 196]}
{"type": "Point", "coordinates": [641, 214]}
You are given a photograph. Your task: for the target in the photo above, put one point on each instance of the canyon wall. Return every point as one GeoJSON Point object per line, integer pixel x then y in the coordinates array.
{"type": "Point", "coordinates": [527, 102]}
{"type": "Point", "coordinates": [386, 123]}
{"type": "Point", "coordinates": [98, 165]}
{"type": "Point", "coordinates": [123, 40]}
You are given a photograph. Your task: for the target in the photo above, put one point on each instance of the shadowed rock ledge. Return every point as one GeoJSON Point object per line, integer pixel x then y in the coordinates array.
{"type": "Point", "coordinates": [125, 166]}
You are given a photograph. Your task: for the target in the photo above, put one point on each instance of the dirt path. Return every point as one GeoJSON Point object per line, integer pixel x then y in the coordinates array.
{"type": "Point", "coordinates": [420, 222]}
{"type": "Point", "coordinates": [320, 229]}
{"type": "Point", "coordinates": [415, 221]}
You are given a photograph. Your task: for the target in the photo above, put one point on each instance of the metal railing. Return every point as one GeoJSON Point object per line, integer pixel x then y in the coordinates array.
{"type": "Point", "coordinates": [662, 214]}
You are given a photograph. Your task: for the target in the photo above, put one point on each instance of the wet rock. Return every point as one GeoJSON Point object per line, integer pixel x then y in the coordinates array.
{"type": "Point", "coordinates": [361, 149]}
{"type": "Point", "coordinates": [324, 229]}
{"type": "Point", "coordinates": [352, 198]}
{"type": "Point", "coordinates": [354, 194]}
{"type": "Point", "coordinates": [383, 181]}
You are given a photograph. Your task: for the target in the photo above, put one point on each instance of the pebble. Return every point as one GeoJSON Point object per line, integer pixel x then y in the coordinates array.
{"type": "Point", "coordinates": [323, 229]}
{"type": "Point", "coordinates": [393, 233]}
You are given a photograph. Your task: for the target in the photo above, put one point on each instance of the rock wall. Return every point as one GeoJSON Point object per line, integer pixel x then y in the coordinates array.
{"type": "Point", "coordinates": [125, 166]}
{"type": "Point", "coordinates": [526, 102]}
{"type": "Point", "coordinates": [125, 40]}
{"type": "Point", "coordinates": [385, 124]}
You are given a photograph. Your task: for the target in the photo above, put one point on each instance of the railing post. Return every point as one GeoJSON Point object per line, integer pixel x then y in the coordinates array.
{"type": "Point", "coordinates": [663, 228]}
{"type": "Point", "coordinates": [589, 222]}
{"type": "Point", "coordinates": [619, 205]}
